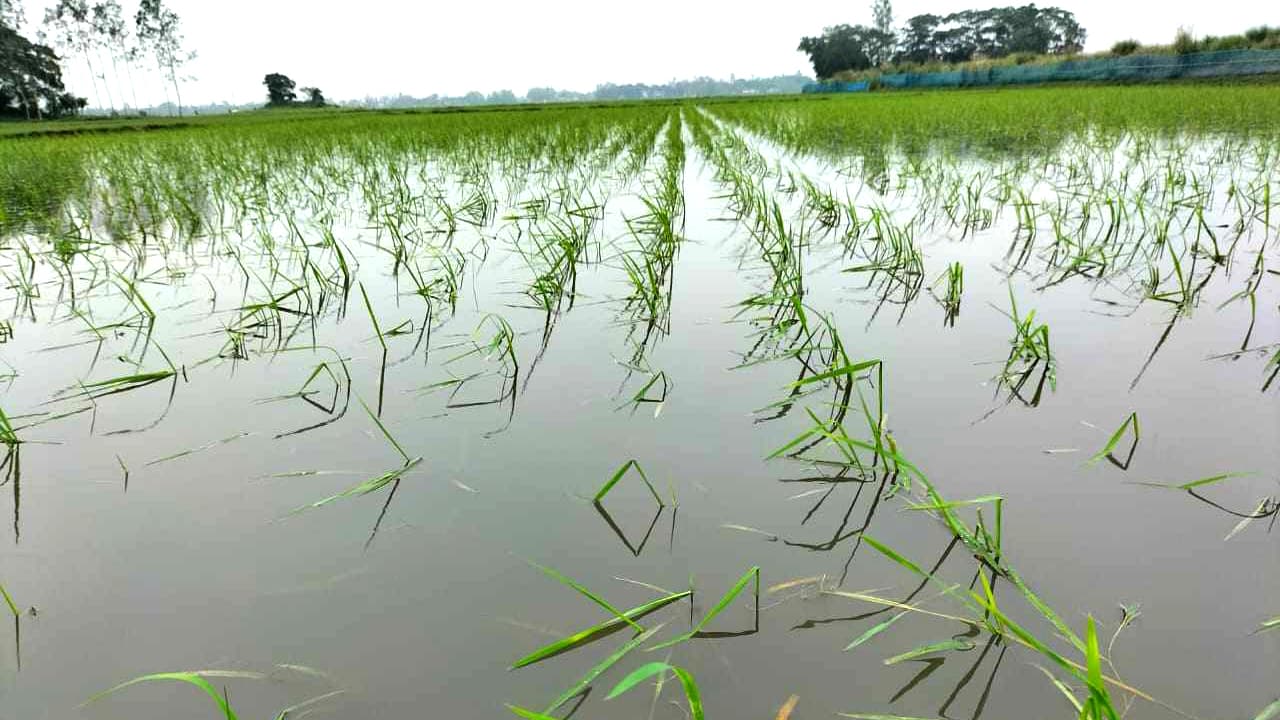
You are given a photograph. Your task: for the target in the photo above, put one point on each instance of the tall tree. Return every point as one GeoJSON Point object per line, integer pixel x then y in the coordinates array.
{"type": "Point", "coordinates": [315, 96]}
{"type": "Point", "coordinates": [882, 13]}
{"type": "Point", "coordinates": [993, 33]}
{"type": "Point", "coordinates": [112, 33]}
{"type": "Point", "coordinates": [69, 24]}
{"type": "Point", "coordinates": [843, 47]}
{"type": "Point", "coordinates": [882, 48]}
{"type": "Point", "coordinates": [12, 15]}
{"type": "Point", "coordinates": [31, 77]}
{"type": "Point", "coordinates": [159, 29]}
{"type": "Point", "coordinates": [917, 42]}
{"type": "Point", "coordinates": [280, 89]}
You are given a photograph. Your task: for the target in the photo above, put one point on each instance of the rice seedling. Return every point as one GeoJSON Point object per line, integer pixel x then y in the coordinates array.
{"type": "Point", "coordinates": [580, 687]}
{"type": "Point", "coordinates": [752, 574]}
{"type": "Point", "coordinates": [691, 693]}
{"type": "Point", "coordinates": [200, 679]}
{"type": "Point", "coordinates": [196, 679]}
{"type": "Point", "coordinates": [1130, 425]}
{"type": "Point", "coordinates": [8, 600]}
{"type": "Point", "coordinates": [595, 632]}
{"type": "Point", "coordinates": [373, 484]}
{"type": "Point", "coordinates": [621, 473]}
{"type": "Point", "coordinates": [952, 294]}
{"type": "Point", "coordinates": [8, 436]}
{"type": "Point", "coordinates": [1269, 712]}
{"type": "Point", "coordinates": [1029, 351]}
{"type": "Point", "coordinates": [555, 575]}
{"type": "Point", "coordinates": [382, 368]}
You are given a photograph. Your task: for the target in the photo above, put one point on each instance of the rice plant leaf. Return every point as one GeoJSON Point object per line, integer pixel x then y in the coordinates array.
{"type": "Point", "coordinates": [570, 582]}
{"type": "Point", "coordinates": [657, 668]}
{"type": "Point", "coordinates": [864, 716]}
{"type": "Point", "coordinates": [874, 631]}
{"type": "Point", "coordinates": [13, 608]}
{"type": "Point", "coordinates": [191, 678]}
{"type": "Point", "coordinates": [385, 433]}
{"type": "Point", "coordinates": [617, 476]}
{"type": "Point", "coordinates": [585, 636]}
{"type": "Point", "coordinates": [529, 714]}
{"type": "Point", "coordinates": [724, 602]}
{"type": "Point", "coordinates": [595, 672]}
{"type": "Point", "coordinates": [1093, 657]}
{"type": "Point", "coordinates": [1271, 624]}
{"type": "Point", "coordinates": [286, 713]}
{"type": "Point", "coordinates": [369, 307]}
{"type": "Point", "coordinates": [1130, 422]}
{"type": "Point", "coordinates": [1269, 712]}
{"type": "Point", "coordinates": [1258, 513]}
{"type": "Point", "coordinates": [1211, 480]}
{"type": "Point", "coordinates": [955, 504]}
{"type": "Point", "coordinates": [784, 712]}
{"type": "Point", "coordinates": [894, 556]}
{"type": "Point", "coordinates": [368, 486]}
{"type": "Point", "coordinates": [931, 649]}
{"type": "Point", "coordinates": [1062, 688]}
{"type": "Point", "coordinates": [851, 369]}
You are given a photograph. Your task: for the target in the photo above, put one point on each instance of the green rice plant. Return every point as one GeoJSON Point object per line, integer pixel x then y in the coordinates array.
{"type": "Point", "coordinates": [200, 680]}
{"type": "Point", "coordinates": [1029, 351]}
{"type": "Point", "coordinates": [1269, 712]}
{"type": "Point", "coordinates": [8, 436]}
{"type": "Point", "coordinates": [952, 293]}
{"type": "Point", "coordinates": [642, 395]}
{"type": "Point", "coordinates": [1130, 424]}
{"type": "Point", "coordinates": [617, 477]}
{"type": "Point", "coordinates": [382, 368]}
{"type": "Point", "coordinates": [988, 615]}
{"type": "Point", "coordinates": [598, 631]}
{"type": "Point", "coordinates": [8, 600]}
{"type": "Point", "coordinates": [580, 687]}
{"type": "Point", "coordinates": [373, 484]}
{"type": "Point", "coordinates": [196, 679]}
{"type": "Point", "coordinates": [195, 450]}
{"type": "Point", "coordinates": [719, 607]}
{"type": "Point", "coordinates": [691, 693]}
{"type": "Point", "coordinates": [569, 582]}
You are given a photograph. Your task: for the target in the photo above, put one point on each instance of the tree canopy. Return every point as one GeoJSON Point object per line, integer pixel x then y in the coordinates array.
{"type": "Point", "coordinates": [280, 89]}
{"type": "Point", "coordinates": [958, 37]}
{"type": "Point", "coordinates": [31, 78]}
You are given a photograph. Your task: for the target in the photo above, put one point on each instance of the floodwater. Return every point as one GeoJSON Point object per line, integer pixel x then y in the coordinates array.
{"type": "Point", "coordinates": [414, 600]}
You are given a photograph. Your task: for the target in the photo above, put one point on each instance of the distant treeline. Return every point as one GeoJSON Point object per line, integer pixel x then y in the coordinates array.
{"type": "Point", "coordinates": [698, 87]}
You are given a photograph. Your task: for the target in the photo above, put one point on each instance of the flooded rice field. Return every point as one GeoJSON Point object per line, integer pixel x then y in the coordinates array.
{"type": "Point", "coordinates": [930, 406]}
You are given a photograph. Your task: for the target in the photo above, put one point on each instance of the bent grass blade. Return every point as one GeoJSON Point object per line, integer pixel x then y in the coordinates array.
{"type": "Point", "coordinates": [729, 597]}
{"type": "Point", "coordinates": [596, 631]}
{"type": "Point", "coordinates": [659, 668]}
{"type": "Point", "coordinates": [1130, 423]}
{"type": "Point", "coordinates": [595, 672]}
{"type": "Point", "coordinates": [565, 580]}
{"type": "Point", "coordinates": [617, 477]}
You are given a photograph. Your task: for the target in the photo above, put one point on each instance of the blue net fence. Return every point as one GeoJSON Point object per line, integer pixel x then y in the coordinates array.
{"type": "Point", "coordinates": [1134, 68]}
{"type": "Point", "coordinates": [837, 87]}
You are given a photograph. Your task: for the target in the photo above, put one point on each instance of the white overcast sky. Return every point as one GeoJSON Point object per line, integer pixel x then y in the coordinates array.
{"type": "Point", "coordinates": [385, 47]}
